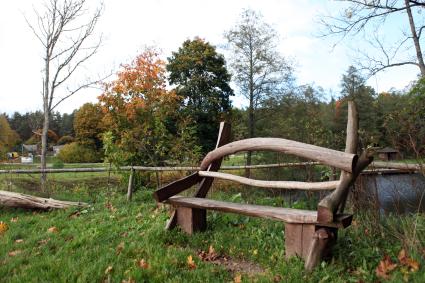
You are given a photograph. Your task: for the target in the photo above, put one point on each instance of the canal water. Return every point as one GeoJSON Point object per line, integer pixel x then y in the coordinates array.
{"type": "Point", "coordinates": [392, 192]}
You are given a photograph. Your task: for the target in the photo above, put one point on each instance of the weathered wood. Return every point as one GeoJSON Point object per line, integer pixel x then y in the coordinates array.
{"type": "Point", "coordinates": [342, 160]}
{"type": "Point", "coordinates": [287, 215]}
{"type": "Point", "coordinates": [191, 219]}
{"type": "Point", "coordinates": [397, 165]}
{"type": "Point", "coordinates": [328, 206]}
{"type": "Point", "coordinates": [176, 187]}
{"type": "Point", "coordinates": [310, 186]}
{"type": "Point", "coordinates": [223, 138]}
{"type": "Point", "coordinates": [293, 239]}
{"type": "Point", "coordinates": [205, 183]}
{"type": "Point", "coordinates": [322, 239]}
{"type": "Point", "coordinates": [297, 239]}
{"type": "Point", "coordinates": [11, 199]}
{"type": "Point", "coordinates": [130, 185]}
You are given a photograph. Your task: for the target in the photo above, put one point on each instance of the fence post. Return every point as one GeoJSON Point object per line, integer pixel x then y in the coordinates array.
{"type": "Point", "coordinates": [130, 184]}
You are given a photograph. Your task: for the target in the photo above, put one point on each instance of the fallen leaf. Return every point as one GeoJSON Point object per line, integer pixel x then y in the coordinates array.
{"type": "Point", "coordinates": [19, 241]}
{"type": "Point", "coordinates": [277, 278]}
{"type": "Point", "coordinates": [44, 241]}
{"type": "Point", "coordinates": [14, 253]}
{"type": "Point", "coordinates": [108, 269]}
{"type": "Point", "coordinates": [384, 267]}
{"type": "Point", "coordinates": [238, 278]}
{"type": "Point", "coordinates": [3, 227]}
{"type": "Point", "coordinates": [191, 264]}
{"type": "Point", "coordinates": [14, 219]}
{"type": "Point", "coordinates": [119, 248]}
{"type": "Point", "coordinates": [143, 264]}
{"type": "Point", "coordinates": [412, 264]}
{"type": "Point", "coordinates": [211, 255]}
{"type": "Point", "coordinates": [129, 280]}
{"type": "Point", "coordinates": [110, 207]}
{"type": "Point", "coordinates": [53, 229]}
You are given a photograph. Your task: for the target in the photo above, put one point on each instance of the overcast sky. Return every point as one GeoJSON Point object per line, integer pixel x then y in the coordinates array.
{"type": "Point", "coordinates": [129, 25]}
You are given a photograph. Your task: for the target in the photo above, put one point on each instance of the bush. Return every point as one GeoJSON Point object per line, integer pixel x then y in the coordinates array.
{"type": "Point", "coordinates": [65, 140]}
{"type": "Point", "coordinates": [77, 153]}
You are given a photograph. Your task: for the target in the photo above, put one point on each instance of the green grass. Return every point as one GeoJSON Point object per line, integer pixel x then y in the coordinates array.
{"type": "Point", "coordinates": [101, 236]}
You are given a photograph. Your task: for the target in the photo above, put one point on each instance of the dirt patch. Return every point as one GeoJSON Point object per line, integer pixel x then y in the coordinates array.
{"type": "Point", "coordinates": [231, 264]}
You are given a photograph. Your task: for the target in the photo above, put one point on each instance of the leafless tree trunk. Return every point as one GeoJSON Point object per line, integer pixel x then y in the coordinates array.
{"type": "Point", "coordinates": [64, 28]}
{"type": "Point", "coordinates": [415, 38]}
{"type": "Point", "coordinates": [259, 70]}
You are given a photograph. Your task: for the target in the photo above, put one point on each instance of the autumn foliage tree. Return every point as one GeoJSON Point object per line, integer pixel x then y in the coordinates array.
{"type": "Point", "coordinates": [88, 125]}
{"type": "Point", "coordinates": [138, 110]}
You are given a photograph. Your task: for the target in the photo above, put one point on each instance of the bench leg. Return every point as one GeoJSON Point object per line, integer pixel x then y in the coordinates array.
{"type": "Point", "coordinates": [321, 244]}
{"type": "Point", "coordinates": [297, 239]}
{"type": "Point", "coordinates": [191, 219]}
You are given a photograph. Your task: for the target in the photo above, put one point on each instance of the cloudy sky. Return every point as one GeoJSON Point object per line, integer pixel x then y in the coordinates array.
{"type": "Point", "coordinates": [129, 25]}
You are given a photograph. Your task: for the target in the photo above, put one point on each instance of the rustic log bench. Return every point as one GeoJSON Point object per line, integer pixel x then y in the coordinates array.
{"type": "Point", "coordinates": [308, 234]}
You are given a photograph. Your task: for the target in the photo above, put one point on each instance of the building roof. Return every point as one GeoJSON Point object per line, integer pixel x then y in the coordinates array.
{"type": "Point", "coordinates": [387, 150]}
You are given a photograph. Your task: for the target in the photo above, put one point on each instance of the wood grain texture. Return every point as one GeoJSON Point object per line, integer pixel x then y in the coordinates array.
{"type": "Point", "coordinates": [223, 138]}
{"type": "Point", "coordinates": [10, 199]}
{"type": "Point", "coordinates": [288, 215]}
{"type": "Point", "coordinates": [342, 160]}
{"type": "Point", "coordinates": [205, 183]}
{"type": "Point", "coordinates": [322, 240]}
{"type": "Point", "coordinates": [310, 186]}
{"type": "Point", "coordinates": [176, 187]}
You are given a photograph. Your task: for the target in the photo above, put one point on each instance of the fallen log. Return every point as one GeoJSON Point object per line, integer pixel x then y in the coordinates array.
{"type": "Point", "coordinates": [11, 199]}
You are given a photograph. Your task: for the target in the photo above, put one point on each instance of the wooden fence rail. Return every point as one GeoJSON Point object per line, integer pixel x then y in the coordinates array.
{"type": "Point", "coordinates": [374, 166]}
{"type": "Point", "coordinates": [152, 169]}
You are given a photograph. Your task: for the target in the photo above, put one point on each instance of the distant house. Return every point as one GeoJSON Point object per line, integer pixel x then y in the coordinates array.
{"type": "Point", "coordinates": [388, 153]}
{"type": "Point", "coordinates": [29, 148]}
{"type": "Point", "coordinates": [57, 149]}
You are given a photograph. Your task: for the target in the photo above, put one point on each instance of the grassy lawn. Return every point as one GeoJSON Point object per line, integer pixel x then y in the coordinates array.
{"type": "Point", "coordinates": [116, 241]}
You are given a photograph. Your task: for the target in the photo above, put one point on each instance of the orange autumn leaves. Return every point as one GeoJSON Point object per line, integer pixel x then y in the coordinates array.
{"type": "Point", "coordinates": [140, 85]}
{"type": "Point", "coordinates": [406, 264]}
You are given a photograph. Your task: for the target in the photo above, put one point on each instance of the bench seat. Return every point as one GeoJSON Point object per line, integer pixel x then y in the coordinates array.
{"type": "Point", "coordinates": [287, 215]}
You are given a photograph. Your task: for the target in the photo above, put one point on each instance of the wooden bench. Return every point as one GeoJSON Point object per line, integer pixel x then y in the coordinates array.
{"type": "Point", "coordinates": [308, 234]}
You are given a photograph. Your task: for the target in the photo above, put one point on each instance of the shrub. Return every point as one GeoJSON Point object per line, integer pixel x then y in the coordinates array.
{"type": "Point", "coordinates": [77, 153]}
{"type": "Point", "coordinates": [65, 140]}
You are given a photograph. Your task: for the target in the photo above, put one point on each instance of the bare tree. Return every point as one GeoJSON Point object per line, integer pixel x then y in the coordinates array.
{"type": "Point", "coordinates": [259, 70]}
{"type": "Point", "coordinates": [64, 29]}
{"type": "Point", "coordinates": [367, 18]}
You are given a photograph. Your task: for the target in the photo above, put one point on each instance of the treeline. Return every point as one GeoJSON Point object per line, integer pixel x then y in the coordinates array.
{"type": "Point", "coordinates": [305, 113]}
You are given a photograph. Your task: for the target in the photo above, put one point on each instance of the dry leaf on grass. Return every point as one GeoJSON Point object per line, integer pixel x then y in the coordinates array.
{"type": "Point", "coordinates": [190, 263]}
{"type": "Point", "coordinates": [19, 241]}
{"type": "Point", "coordinates": [14, 219]}
{"type": "Point", "coordinates": [53, 229]}
{"type": "Point", "coordinates": [119, 248]}
{"type": "Point", "coordinates": [211, 255]}
{"type": "Point", "coordinates": [15, 253]}
{"type": "Point", "coordinates": [108, 269]}
{"type": "Point", "coordinates": [405, 260]}
{"type": "Point", "coordinates": [143, 264]}
{"type": "Point", "coordinates": [237, 279]}
{"type": "Point", "coordinates": [3, 227]}
{"type": "Point", "coordinates": [384, 267]}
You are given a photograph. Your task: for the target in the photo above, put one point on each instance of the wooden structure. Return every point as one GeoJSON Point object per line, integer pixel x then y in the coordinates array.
{"type": "Point", "coordinates": [308, 234]}
{"type": "Point", "coordinates": [388, 154]}
{"type": "Point", "coordinates": [11, 199]}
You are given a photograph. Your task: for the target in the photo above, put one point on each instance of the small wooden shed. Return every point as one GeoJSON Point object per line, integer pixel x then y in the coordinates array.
{"type": "Point", "coordinates": [388, 153]}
